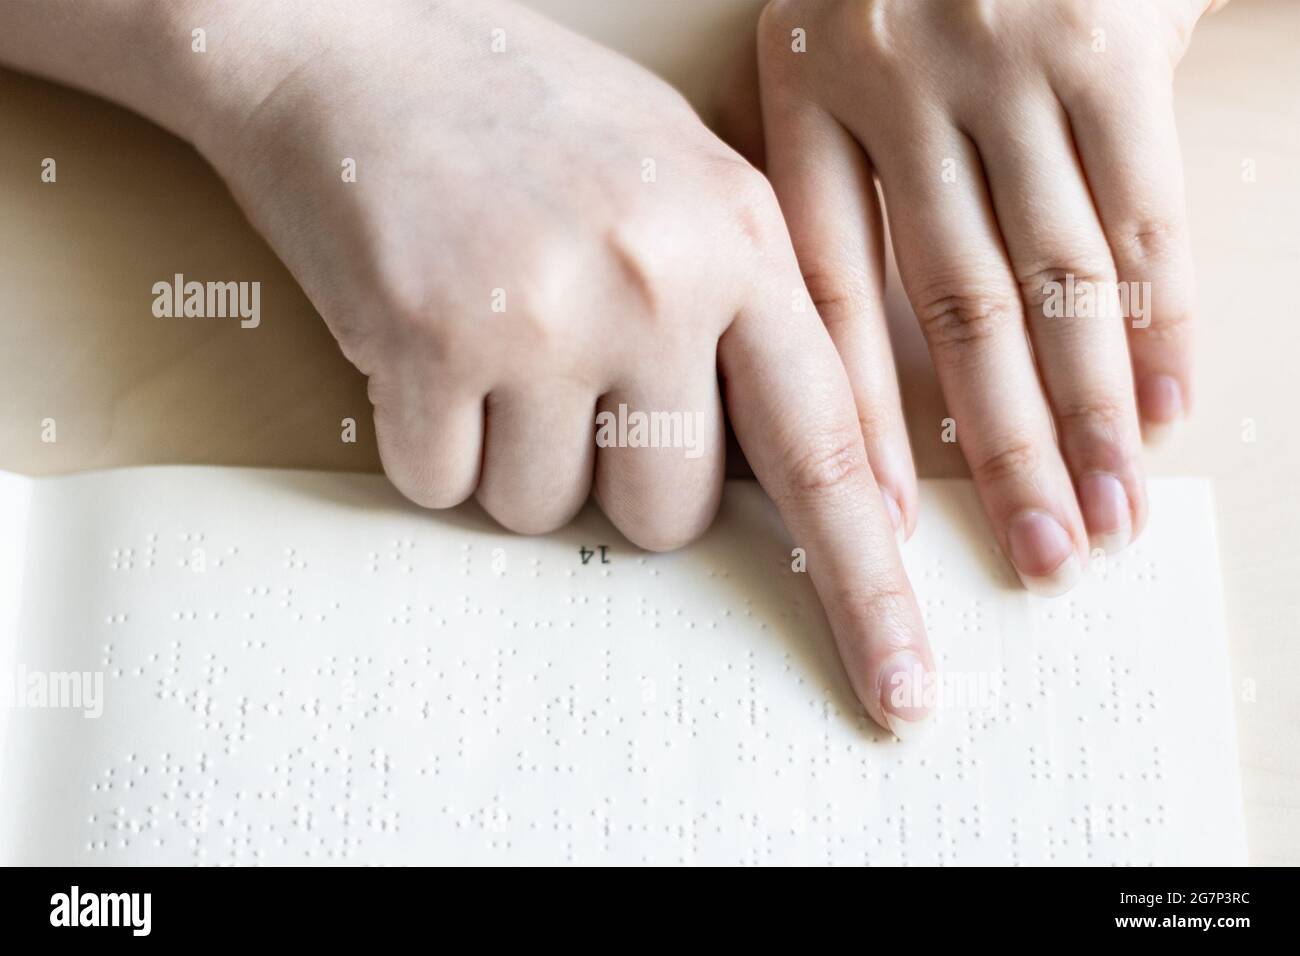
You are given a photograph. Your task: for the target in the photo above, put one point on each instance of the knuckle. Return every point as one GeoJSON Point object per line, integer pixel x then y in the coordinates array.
{"type": "Point", "coordinates": [541, 334]}
{"type": "Point", "coordinates": [753, 205]}
{"type": "Point", "coordinates": [1101, 432]}
{"type": "Point", "coordinates": [879, 414]}
{"type": "Point", "coordinates": [1168, 326]}
{"type": "Point", "coordinates": [839, 294]}
{"type": "Point", "coordinates": [1148, 240]}
{"type": "Point", "coordinates": [405, 293]}
{"type": "Point", "coordinates": [834, 464]}
{"type": "Point", "coordinates": [640, 276]}
{"type": "Point", "coordinates": [414, 313]}
{"type": "Point", "coordinates": [873, 26]}
{"type": "Point", "coordinates": [958, 320]}
{"type": "Point", "coordinates": [771, 21]}
{"type": "Point", "coordinates": [774, 25]}
{"type": "Point", "coordinates": [1019, 459]}
{"type": "Point", "coordinates": [880, 607]}
{"type": "Point", "coordinates": [1099, 416]}
{"type": "Point", "coordinates": [1039, 284]}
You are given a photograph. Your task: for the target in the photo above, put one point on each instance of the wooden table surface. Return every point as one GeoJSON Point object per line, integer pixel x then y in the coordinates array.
{"type": "Point", "coordinates": [132, 206]}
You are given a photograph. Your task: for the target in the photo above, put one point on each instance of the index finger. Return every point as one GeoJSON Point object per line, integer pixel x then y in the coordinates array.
{"type": "Point", "coordinates": [790, 404]}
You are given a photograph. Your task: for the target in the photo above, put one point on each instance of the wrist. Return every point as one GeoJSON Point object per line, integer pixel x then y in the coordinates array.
{"type": "Point", "coordinates": [192, 66]}
{"type": "Point", "coordinates": [294, 64]}
{"type": "Point", "coordinates": [222, 59]}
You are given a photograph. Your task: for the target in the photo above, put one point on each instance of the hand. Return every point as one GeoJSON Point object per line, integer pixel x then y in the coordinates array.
{"type": "Point", "coordinates": [1027, 154]}
{"type": "Point", "coordinates": [543, 233]}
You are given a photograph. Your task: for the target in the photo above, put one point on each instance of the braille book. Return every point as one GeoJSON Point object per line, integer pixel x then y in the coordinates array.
{"type": "Point", "coordinates": [233, 666]}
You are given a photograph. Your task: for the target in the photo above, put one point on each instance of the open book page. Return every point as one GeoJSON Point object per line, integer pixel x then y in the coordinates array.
{"type": "Point", "coordinates": [301, 667]}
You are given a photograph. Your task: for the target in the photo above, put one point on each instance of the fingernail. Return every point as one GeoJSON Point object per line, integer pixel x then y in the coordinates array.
{"type": "Point", "coordinates": [1043, 553]}
{"type": "Point", "coordinates": [902, 695]}
{"type": "Point", "coordinates": [1105, 511]}
{"type": "Point", "coordinates": [895, 516]}
{"type": "Point", "coordinates": [1161, 401]}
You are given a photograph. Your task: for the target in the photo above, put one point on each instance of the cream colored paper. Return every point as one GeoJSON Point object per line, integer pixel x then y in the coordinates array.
{"type": "Point", "coordinates": [302, 668]}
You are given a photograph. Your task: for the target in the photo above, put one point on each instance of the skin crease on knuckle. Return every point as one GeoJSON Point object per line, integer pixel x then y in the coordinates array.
{"type": "Point", "coordinates": [1012, 460]}
{"type": "Point", "coordinates": [1092, 271]}
{"type": "Point", "coordinates": [1100, 436]}
{"type": "Point", "coordinates": [1148, 240]}
{"type": "Point", "coordinates": [750, 213]}
{"type": "Point", "coordinates": [840, 293]}
{"type": "Point", "coordinates": [834, 465]}
{"type": "Point", "coordinates": [957, 320]}
{"type": "Point", "coordinates": [983, 40]}
{"type": "Point", "coordinates": [884, 609]}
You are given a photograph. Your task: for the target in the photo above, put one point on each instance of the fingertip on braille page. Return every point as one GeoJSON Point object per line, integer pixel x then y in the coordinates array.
{"type": "Point", "coordinates": [902, 695]}
{"type": "Point", "coordinates": [1105, 507]}
{"type": "Point", "coordinates": [1161, 433]}
{"type": "Point", "coordinates": [1163, 409]}
{"type": "Point", "coordinates": [908, 730]}
{"type": "Point", "coordinates": [1043, 554]}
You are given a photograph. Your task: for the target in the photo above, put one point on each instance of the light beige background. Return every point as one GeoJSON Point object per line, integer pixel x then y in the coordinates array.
{"type": "Point", "coordinates": [133, 205]}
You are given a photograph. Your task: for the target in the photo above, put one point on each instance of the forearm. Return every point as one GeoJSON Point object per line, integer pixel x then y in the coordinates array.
{"type": "Point", "coordinates": [249, 60]}
{"type": "Point", "coordinates": [195, 67]}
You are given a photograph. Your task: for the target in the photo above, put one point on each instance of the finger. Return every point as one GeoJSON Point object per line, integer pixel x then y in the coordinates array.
{"type": "Point", "coordinates": [1129, 149]}
{"type": "Point", "coordinates": [828, 196]}
{"type": "Point", "coordinates": [1068, 285]}
{"type": "Point", "coordinates": [660, 457]}
{"type": "Point", "coordinates": [792, 409]}
{"type": "Point", "coordinates": [956, 274]}
{"type": "Point", "coordinates": [538, 455]}
{"type": "Point", "coordinates": [430, 439]}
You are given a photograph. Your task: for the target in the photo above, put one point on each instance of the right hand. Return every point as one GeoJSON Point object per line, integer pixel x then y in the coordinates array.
{"type": "Point", "coordinates": [520, 178]}
{"type": "Point", "coordinates": [1024, 151]}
